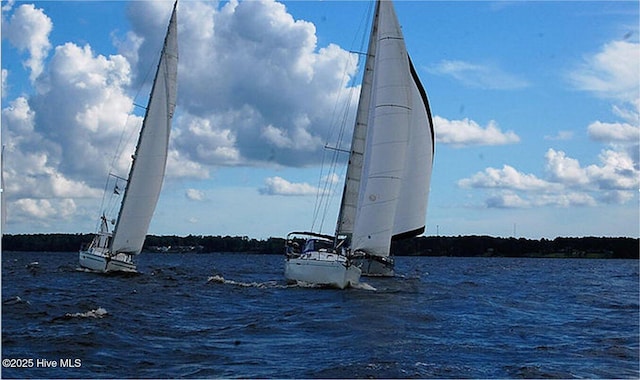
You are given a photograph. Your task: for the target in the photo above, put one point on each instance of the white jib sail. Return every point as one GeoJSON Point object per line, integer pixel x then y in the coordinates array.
{"type": "Point", "coordinates": [387, 138]}
{"type": "Point", "coordinates": [148, 168]}
{"type": "Point", "coordinates": [349, 204]}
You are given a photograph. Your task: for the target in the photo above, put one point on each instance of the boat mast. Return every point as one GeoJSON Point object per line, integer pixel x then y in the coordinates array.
{"type": "Point", "coordinates": [348, 203]}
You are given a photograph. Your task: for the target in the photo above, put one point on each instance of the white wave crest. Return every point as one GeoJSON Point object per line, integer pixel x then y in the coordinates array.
{"type": "Point", "coordinates": [363, 286]}
{"type": "Point", "coordinates": [261, 285]}
{"type": "Point", "coordinates": [15, 300]}
{"type": "Point", "coordinates": [275, 285]}
{"type": "Point", "coordinates": [96, 313]}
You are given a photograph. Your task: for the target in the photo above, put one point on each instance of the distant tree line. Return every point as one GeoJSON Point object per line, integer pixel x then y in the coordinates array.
{"type": "Point", "coordinates": [153, 243]}
{"type": "Point", "coordinates": [45, 242]}
{"type": "Point", "coordinates": [213, 244]}
{"type": "Point", "coordinates": [587, 247]}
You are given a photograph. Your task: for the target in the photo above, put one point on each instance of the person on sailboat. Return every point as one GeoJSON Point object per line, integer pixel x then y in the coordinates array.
{"type": "Point", "coordinates": [293, 248]}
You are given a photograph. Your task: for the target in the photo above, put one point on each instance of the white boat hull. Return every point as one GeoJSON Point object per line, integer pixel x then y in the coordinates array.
{"type": "Point", "coordinates": [322, 268]}
{"type": "Point", "coordinates": [98, 262]}
{"type": "Point", "coordinates": [373, 266]}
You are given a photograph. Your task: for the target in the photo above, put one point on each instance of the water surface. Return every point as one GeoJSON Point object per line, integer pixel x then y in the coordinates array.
{"type": "Point", "coordinates": [232, 315]}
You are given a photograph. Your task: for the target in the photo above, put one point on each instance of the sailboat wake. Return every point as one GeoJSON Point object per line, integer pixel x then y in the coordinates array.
{"type": "Point", "coordinates": [260, 285]}
{"type": "Point", "coordinates": [109, 274]}
{"type": "Point", "coordinates": [276, 285]}
{"type": "Point", "coordinates": [363, 286]}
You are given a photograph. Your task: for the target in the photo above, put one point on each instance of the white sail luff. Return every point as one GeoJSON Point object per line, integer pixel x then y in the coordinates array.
{"type": "Point", "coordinates": [349, 204]}
{"type": "Point", "coordinates": [148, 168]}
{"type": "Point", "coordinates": [386, 140]}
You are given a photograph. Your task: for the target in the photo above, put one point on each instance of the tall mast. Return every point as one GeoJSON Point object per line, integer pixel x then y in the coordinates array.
{"type": "Point", "coordinates": [348, 204]}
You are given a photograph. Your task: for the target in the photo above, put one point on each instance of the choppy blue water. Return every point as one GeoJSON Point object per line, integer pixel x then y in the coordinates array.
{"type": "Point", "coordinates": [232, 315]}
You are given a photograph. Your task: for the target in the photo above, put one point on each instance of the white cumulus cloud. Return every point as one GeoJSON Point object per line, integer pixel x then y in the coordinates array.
{"type": "Point", "coordinates": [42, 211]}
{"type": "Point", "coordinates": [85, 110]}
{"type": "Point", "coordinates": [32, 163]}
{"type": "Point", "coordinates": [28, 30]}
{"type": "Point", "coordinates": [617, 171]}
{"type": "Point", "coordinates": [195, 195]}
{"type": "Point", "coordinates": [261, 88]}
{"type": "Point", "coordinates": [560, 136]}
{"type": "Point", "coordinates": [460, 133]}
{"type": "Point", "coordinates": [568, 183]}
{"type": "Point", "coordinates": [280, 186]}
{"type": "Point", "coordinates": [614, 132]}
{"type": "Point", "coordinates": [254, 89]}
{"type": "Point", "coordinates": [484, 76]}
{"type": "Point", "coordinates": [505, 178]}
{"type": "Point", "coordinates": [612, 72]}
{"type": "Point", "coordinates": [565, 169]}
{"type": "Point", "coordinates": [508, 199]}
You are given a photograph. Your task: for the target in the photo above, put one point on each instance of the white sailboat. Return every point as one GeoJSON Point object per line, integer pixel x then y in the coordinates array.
{"type": "Point", "coordinates": [387, 183]}
{"type": "Point", "coordinates": [313, 258]}
{"type": "Point", "coordinates": [117, 250]}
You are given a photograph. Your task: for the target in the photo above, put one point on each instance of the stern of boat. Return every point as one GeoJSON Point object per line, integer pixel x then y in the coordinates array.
{"type": "Point", "coordinates": [374, 266]}
{"type": "Point", "coordinates": [93, 260]}
{"type": "Point", "coordinates": [98, 260]}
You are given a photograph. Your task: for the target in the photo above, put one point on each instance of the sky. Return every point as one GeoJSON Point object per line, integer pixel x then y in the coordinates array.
{"type": "Point", "coordinates": [536, 109]}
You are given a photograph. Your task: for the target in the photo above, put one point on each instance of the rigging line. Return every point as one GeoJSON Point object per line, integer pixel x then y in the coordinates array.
{"type": "Point", "coordinates": [321, 194]}
{"type": "Point", "coordinates": [104, 195]}
{"type": "Point", "coordinates": [318, 198]}
{"type": "Point", "coordinates": [325, 186]}
{"type": "Point", "coordinates": [337, 149]}
{"type": "Point", "coordinates": [325, 191]}
{"type": "Point", "coordinates": [112, 203]}
{"type": "Point", "coordinates": [336, 153]}
{"type": "Point", "coordinates": [335, 158]}
{"type": "Point", "coordinates": [330, 190]}
{"type": "Point", "coordinates": [132, 132]}
{"type": "Point", "coordinates": [326, 194]}
{"type": "Point", "coordinates": [363, 34]}
{"type": "Point", "coordinates": [118, 177]}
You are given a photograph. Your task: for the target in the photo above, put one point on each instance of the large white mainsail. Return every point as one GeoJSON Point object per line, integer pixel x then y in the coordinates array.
{"type": "Point", "coordinates": [114, 252]}
{"type": "Point", "coordinates": [148, 168]}
{"type": "Point", "coordinates": [398, 155]}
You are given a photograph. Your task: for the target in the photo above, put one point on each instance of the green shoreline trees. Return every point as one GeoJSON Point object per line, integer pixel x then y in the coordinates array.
{"type": "Point", "coordinates": [463, 246]}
